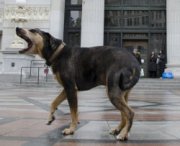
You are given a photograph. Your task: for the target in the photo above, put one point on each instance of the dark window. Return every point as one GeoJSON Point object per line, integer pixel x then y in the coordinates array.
{"type": "Point", "coordinates": [158, 18]}
{"type": "Point", "coordinates": [74, 39]}
{"type": "Point", "coordinates": [135, 2]}
{"type": "Point", "coordinates": [12, 64]}
{"type": "Point", "coordinates": [75, 19]}
{"type": "Point", "coordinates": [157, 42]}
{"type": "Point", "coordinates": [76, 2]}
{"type": "Point", "coordinates": [72, 26]}
{"type": "Point", "coordinates": [136, 21]}
{"type": "Point", "coordinates": [114, 2]}
{"type": "Point", "coordinates": [129, 22]}
{"type": "Point", "coordinates": [135, 18]}
{"type": "Point", "coordinates": [113, 39]}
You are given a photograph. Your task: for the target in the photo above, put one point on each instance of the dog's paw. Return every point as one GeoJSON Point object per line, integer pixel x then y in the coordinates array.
{"type": "Point", "coordinates": [114, 131]}
{"type": "Point", "coordinates": [122, 137]}
{"type": "Point", "coordinates": [68, 131]}
{"type": "Point", "coordinates": [51, 120]}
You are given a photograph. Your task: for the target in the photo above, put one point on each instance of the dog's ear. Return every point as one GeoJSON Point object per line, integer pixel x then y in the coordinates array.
{"type": "Point", "coordinates": [47, 35]}
{"type": "Point", "coordinates": [54, 43]}
{"type": "Point", "coordinates": [52, 40]}
{"type": "Point", "coordinates": [49, 39]}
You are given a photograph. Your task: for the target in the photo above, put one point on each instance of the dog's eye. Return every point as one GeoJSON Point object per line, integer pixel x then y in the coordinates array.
{"type": "Point", "coordinates": [33, 30]}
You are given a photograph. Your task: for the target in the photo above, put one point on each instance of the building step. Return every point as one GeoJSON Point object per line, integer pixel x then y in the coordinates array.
{"type": "Point", "coordinates": [158, 84]}
{"type": "Point", "coordinates": [144, 83]}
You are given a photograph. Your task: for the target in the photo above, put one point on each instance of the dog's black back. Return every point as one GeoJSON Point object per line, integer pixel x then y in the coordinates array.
{"type": "Point", "coordinates": [90, 67]}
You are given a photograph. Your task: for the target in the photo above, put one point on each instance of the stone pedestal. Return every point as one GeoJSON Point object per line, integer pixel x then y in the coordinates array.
{"type": "Point", "coordinates": [92, 26]}
{"type": "Point", "coordinates": [173, 37]}
{"type": "Point", "coordinates": [12, 61]}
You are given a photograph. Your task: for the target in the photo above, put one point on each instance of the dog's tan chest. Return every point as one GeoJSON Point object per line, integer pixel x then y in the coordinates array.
{"type": "Point", "coordinates": [58, 78]}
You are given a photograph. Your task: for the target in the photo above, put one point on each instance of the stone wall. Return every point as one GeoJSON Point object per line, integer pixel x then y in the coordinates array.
{"type": "Point", "coordinates": [46, 15]}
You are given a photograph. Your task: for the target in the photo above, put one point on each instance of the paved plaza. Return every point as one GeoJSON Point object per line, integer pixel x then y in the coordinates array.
{"type": "Point", "coordinates": [24, 111]}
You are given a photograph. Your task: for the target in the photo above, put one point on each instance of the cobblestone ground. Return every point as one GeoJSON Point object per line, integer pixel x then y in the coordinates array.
{"type": "Point", "coordinates": [24, 113]}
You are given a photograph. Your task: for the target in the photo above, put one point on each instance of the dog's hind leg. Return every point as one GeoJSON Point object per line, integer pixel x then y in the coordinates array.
{"type": "Point", "coordinates": [118, 99]}
{"type": "Point", "coordinates": [127, 116]}
{"type": "Point", "coordinates": [118, 129]}
{"type": "Point", "coordinates": [60, 98]}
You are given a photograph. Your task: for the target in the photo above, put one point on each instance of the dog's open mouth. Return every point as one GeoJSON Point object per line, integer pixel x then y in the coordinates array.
{"type": "Point", "coordinates": [21, 33]}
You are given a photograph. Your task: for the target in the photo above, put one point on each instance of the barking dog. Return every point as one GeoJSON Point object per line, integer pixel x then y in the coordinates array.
{"type": "Point", "coordinates": [78, 69]}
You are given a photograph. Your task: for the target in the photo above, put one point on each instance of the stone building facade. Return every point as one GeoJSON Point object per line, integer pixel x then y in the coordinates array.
{"type": "Point", "coordinates": [149, 25]}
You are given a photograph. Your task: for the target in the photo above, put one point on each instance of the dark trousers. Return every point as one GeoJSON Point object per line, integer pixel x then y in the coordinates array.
{"type": "Point", "coordinates": [152, 74]}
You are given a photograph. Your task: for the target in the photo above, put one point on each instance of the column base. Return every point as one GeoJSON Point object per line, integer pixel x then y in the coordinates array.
{"type": "Point", "coordinates": [175, 69]}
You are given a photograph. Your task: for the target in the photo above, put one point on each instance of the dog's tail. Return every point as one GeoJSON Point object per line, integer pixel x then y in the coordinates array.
{"type": "Point", "coordinates": [128, 77]}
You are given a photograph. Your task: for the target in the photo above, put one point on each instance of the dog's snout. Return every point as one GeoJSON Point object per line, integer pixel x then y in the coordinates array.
{"type": "Point", "coordinates": [18, 29]}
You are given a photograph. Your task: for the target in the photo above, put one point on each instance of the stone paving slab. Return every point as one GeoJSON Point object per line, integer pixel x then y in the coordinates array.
{"type": "Point", "coordinates": [24, 112]}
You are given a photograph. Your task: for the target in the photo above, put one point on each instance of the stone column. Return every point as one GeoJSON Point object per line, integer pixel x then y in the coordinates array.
{"type": "Point", "coordinates": [92, 25]}
{"type": "Point", "coordinates": [57, 18]}
{"type": "Point", "coordinates": [173, 37]}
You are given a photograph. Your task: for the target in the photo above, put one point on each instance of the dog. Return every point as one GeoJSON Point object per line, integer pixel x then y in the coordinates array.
{"type": "Point", "coordinates": [82, 68]}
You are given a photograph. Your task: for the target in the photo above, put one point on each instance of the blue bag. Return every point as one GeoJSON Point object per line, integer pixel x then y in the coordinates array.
{"type": "Point", "coordinates": [167, 75]}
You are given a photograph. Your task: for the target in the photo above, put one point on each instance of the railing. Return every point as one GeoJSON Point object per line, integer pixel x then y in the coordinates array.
{"type": "Point", "coordinates": [38, 73]}
{"type": "Point", "coordinates": [31, 65]}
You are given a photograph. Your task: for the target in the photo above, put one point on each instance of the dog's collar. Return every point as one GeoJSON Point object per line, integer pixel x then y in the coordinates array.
{"type": "Point", "coordinates": [56, 53]}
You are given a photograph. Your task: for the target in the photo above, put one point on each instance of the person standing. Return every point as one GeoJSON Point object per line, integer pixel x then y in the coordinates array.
{"type": "Point", "coordinates": [161, 62]}
{"type": "Point", "coordinates": [152, 65]}
{"type": "Point", "coordinates": [137, 54]}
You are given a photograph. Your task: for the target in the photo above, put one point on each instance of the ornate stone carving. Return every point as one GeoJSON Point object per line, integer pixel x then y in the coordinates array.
{"type": "Point", "coordinates": [28, 12]}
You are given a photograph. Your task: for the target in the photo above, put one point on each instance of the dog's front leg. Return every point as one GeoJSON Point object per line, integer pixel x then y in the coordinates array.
{"type": "Point", "coordinates": [72, 100]}
{"type": "Point", "coordinates": [60, 98]}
